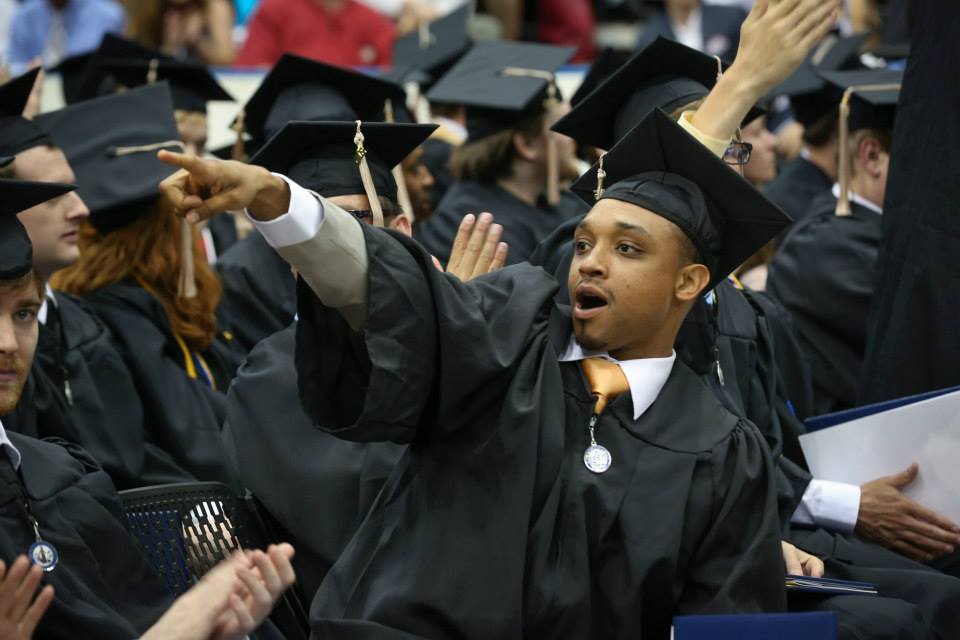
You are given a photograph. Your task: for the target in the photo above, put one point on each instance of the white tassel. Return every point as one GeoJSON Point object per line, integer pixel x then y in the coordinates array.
{"type": "Point", "coordinates": [367, 178]}
{"type": "Point", "coordinates": [188, 280]}
{"type": "Point", "coordinates": [601, 176]}
{"type": "Point", "coordinates": [843, 170]}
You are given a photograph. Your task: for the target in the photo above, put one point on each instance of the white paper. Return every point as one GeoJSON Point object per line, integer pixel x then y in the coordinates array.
{"type": "Point", "coordinates": [926, 432]}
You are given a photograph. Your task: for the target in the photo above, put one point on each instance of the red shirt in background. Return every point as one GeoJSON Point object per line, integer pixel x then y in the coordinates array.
{"type": "Point", "coordinates": [352, 36]}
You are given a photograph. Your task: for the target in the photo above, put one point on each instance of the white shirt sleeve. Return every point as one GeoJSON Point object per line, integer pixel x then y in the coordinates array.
{"type": "Point", "coordinates": [389, 8]}
{"type": "Point", "coordinates": [832, 505]}
{"type": "Point", "coordinates": [299, 224]}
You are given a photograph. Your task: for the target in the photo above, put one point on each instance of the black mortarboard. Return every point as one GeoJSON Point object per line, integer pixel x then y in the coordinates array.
{"type": "Point", "coordinates": [112, 142]}
{"type": "Point", "coordinates": [16, 252]}
{"type": "Point", "coordinates": [664, 75]}
{"type": "Point", "coordinates": [435, 46]}
{"type": "Point", "coordinates": [191, 84]}
{"type": "Point", "coordinates": [810, 96]}
{"type": "Point", "coordinates": [322, 155]}
{"type": "Point", "coordinates": [73, 76]}
{"type": "Point", "coordinates": [501, 84]}
{"type": "Point", "coordinates": [85, 76]}
{"type": "Point", "coordinates": [604, 65]}
{"type": "Point", "coordinates": [16, 132]}
{"type": "Point", "coordinates": [662, 168]}
{"type": "Point", "coordinates": [868, 101]}
{"type": "Point", "coordinates": [302, 89]}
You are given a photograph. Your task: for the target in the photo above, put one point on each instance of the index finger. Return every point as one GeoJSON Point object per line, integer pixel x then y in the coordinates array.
{"type": "Point", "coordinates": [460, 241]}
{"type": "Point", "coordinates": [182, 160]}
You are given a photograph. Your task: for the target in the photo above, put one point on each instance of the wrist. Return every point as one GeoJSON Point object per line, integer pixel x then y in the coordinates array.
{"type": "Point", "coordinates": [271, 197]}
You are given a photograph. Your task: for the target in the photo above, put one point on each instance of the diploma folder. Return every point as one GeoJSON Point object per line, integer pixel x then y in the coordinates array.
{"type": "Point", "coordinates": [829, 586]}
{"type": "Point", "coordinates": [926, 431]}
{"type": "Point", "coordinates": [821, 625]}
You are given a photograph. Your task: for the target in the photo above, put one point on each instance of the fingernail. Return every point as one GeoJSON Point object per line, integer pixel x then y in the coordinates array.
{"type": "Point", "coordinates": [469, 217]}
{"type": "Point", "coordinates": [486, 217]}
{"type": "Point", "coordinates": [193, 217]}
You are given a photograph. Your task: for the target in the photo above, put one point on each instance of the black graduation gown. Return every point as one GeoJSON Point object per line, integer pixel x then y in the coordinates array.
{"type": "Point", "coordinates": [223, 231]}
{"type": "Point", "coordinates": [436, 155]}
{"type": "Point", "coordinates": [751, 336]}
{"type": "Point", "coordinates": [183, 414]}
{"type": "Point", "coordinates": [824, 275]}
{"type": "Point", "coordinates": [259, 292]}
{"type": "Point", "coordinates": [491, 526]}
{"type": "Point", "coordinates": [524, 226]}
{"type": "Point", "coordinates": [77, 352]}
{"type": "Point", "coordinates": [913, 344]}
{"type": "Point", "coordinates": [275, 448]}
{"type": "Point", "coordinates": [105, 587]}
{"type": "Point", "coordinates": [797, 186]}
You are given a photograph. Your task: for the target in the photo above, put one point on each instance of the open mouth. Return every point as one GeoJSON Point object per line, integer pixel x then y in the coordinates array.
{"type": "Point", "coordinates": [588, 302]}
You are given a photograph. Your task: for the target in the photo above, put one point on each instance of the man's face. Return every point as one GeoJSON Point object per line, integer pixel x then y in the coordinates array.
{"type": "Point", "coordinates": [762, 167]}
{"type": "Point", "coordinates": [419, 180]}
{"type": "Point", "coordinates": [53, 226]}
{"type": "Point", "coordinates": [18, 340]}
{"type": "Point", "coordinates": [627, 280]}
{"type": "Point", "coordinates": [353, 203]}
{"type": "Point", "coordinates": [192, 128]}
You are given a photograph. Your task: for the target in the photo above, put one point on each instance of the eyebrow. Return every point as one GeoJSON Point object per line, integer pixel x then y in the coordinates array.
{"type": "Point", "coordinates": [629, 226]}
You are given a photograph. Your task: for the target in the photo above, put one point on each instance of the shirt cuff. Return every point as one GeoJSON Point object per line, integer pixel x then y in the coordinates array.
{"type": "Point", "coordinates": [834, 506]}
{"type": "Point", "coordinates": [299, 224]}
{"type": "Point", "coordinates": [716, 145]}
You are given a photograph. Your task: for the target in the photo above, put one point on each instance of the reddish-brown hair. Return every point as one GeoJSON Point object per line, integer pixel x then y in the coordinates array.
{"type": "Point", "coordinates": [148, 250]}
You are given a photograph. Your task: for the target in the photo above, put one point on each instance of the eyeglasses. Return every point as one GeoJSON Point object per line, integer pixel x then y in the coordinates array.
{"type": "Point", "coordinates": [361, 214]}
{"type": "Point", "coordinates": [738, 153]}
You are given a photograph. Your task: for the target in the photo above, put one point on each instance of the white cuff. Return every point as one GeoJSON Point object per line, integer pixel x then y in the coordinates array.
{"type": "Point", "coordinates": [297, 225]}
{"type": "Point", "coordinates": [832, 505]}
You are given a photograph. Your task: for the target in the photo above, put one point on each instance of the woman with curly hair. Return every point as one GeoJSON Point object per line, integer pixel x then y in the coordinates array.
{"type": "Point", "coordinates": [141, 269]}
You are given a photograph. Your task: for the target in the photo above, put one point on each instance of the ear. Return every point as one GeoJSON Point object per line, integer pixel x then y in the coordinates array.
{"type": "Point", "coordinates": [526, 147]}
{"type": "Point", "coordinates": [871, 157]}
{"type": "Point", "coordinates": [691, 282]}
{"type": "Point", "coordinates": [402, 224]}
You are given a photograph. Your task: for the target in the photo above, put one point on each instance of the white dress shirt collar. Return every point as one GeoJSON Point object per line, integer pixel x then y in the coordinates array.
{"type": "Point", "coordinates": [857, 199]}
{"type": "Point", "coordinates": [8, 448]}
{"type": "Point", "coordinates": [646, 376]}
{"type": "Point", "coordinates": [48, 298]}
{"type": "Point", "coordinates": [690, 33]}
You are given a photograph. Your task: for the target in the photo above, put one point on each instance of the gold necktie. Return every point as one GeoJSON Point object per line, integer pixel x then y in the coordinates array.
{"type": "Point", "coordinates": [607, 381]}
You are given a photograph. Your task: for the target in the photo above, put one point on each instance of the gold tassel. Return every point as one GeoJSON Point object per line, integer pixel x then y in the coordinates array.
{"type": "Point", "coordinates": [843, 168]}
{"type": "Point", "coordinates": [553, 168]}
{"type": "Point", "coordinates": [239, 126]}
{"type": "Point", "coordinates": [366, 177]}
{"type": "Point", "coordinates": [601, 176]}
{"type": "Point", "coordinates": [188, 281]}
{"type": "Point", "coordinates": [118, 152]}
{"type": "Point", "coordinates": [403, 196]}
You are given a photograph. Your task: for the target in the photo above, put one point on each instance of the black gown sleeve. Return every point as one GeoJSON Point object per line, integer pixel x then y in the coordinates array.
{"type": "Point", "coordinates": [434, 348]}
{"type": "Point", "coordinates": [737, 566]}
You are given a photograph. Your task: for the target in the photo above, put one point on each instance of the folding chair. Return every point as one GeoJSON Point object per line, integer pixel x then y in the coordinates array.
{"type": "Point", "coordinates": [187, 528]}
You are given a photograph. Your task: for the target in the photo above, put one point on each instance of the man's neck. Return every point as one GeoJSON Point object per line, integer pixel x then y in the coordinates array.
{"type": "Point", "coordinates": [59, 5]}
{"type": "Point", "coordinates": [524, 183]}
{"type": "Point", "coordinates": [866, 190]}
{"type": "Point", "coordinates": [824, 158]}
{"type": "Point", "coordinates": [680, 15]}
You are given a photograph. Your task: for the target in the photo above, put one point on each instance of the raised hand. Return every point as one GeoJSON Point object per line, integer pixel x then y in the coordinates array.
{"type": "Point", "coordinates": [19, 610]}
{"type": "Point", "coordinates": [477, 248]}
{"type": "Point", "coordinates": [800, 563]}
{"type": "Point", "coordinates": [205, 187]}
{"type": "Point", "coordinates": [774, 39]}
{"type": "Point", "coordinates": [893, 520]}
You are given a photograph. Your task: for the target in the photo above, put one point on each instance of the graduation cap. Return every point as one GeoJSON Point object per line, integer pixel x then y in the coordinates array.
{"type": "Point", "coordinates": [604, 65]}
{"type": "Point", "coordinates": [112, 142]}
{"type": "Point", "coordinates": [664, 75]}
{"type": "Point", "coordinates": [84, 76]}
{"type": "Point", "coordinates": [191, 84]}
{"type": "Point", "coordinates": [435, 46]}
{"type": "Point", "coordinates": [302, 89]}
{"type": "Point", "coordinates": [16, 252]}
{"type": "Point", "coordinates": [16, 132]}
{"type": "Point", "coordinates": [676, 177]}
{"type": "Point", "coordinates": [811, 97]}
{"type": "Point", "coordinates": [869, 102]}
{"type": "Point", "coordinates": [503, 84]}
{"type": "Point", "coordinates": [341, 158]}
